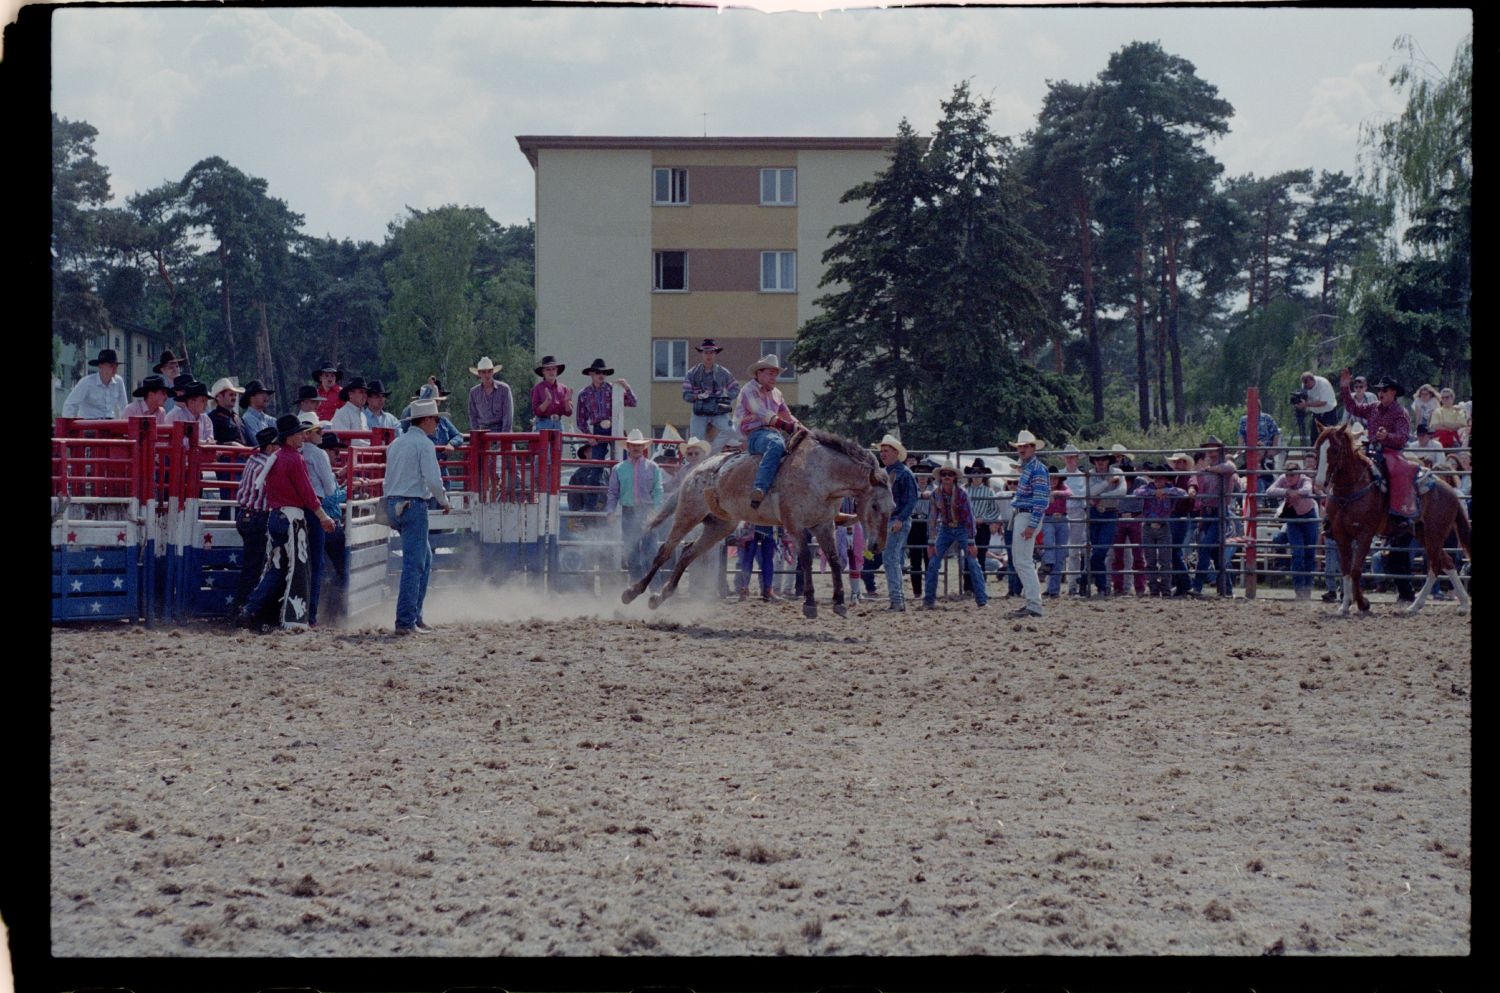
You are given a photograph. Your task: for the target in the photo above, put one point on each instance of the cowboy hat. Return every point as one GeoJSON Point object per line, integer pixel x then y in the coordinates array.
{"type": "Point", "coordinates": [891, 441]}
{"type": "Point", "coordinates": [1027, 438]}
{"type": "Point", "coordinates": [166, 357]}
{"type": "Point", "coordinates": [106, 355]}
{"type": "Point", "coordinates": [303, 393]}
{"type": "Point", "coordinates": [431, 392]}
{"type": "Point", "coordinates": [1212, 442]}
{"type": "Point", "coordinates": [265, 436]}
{"type": "Point", "coordinates": [1101, 456]}
{"type": "Point", "coordinates": [309, 420]}
{"type": "Point", "coordinates": [978, 468]}
{"type": "Point", "coordinates": [1070, 449]}
{"type": "Point", "coordinates": [766, 362]}
{"type": "Point", "coordinates": [253, 387]}
{"type": "Point", "coordinates": [1179, 457]}
{"type": "Point", "coordinates": [709, 345]}
{"type": "Point", "coordinates": [338, 374]}
{"type": "Point", "coordinates": [181, 383]}
{"type": "Point", "coordinates": [1119, 449]}
{"type": "Point", "coordinates": [697, 445]}
{"type": "Point", "coordinates": [946, 466]}
{"type": "Point", "coordinates": [151, 383]}
{"type": "Point", "coordinates": [550, 360]}
{"type": "Point", "coordinates": [925, 466]}
{"type": "Point", "coordinates": [331, 440]}
{"type": "Point", "coordinates": [485, 362]}
{"type": "Point", "coordinates": [636, 438]}
{"type": "Point", "coordinates": [1292, 465]}
{"type": "Point", "coordinates": [423, 408]}
{"type": "Point", "coordinates": [355, 383]}
{"type": "Point", "coordinates": [598, 366]}
{"type": "Point", "coordinates": [288, 425]}
{"type": "Point", "coordinates": [192, 388]}
{"type": "Point", "coordinates": [377, 389]}
{"type": "Point", "coordinates": [1387, 383]}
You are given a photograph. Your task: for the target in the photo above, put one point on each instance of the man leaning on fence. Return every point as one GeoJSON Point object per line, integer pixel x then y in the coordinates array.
{"type": "Point", "coordinates": [411, 476]}
{"type": "Point", "coordinates": [101, 394]}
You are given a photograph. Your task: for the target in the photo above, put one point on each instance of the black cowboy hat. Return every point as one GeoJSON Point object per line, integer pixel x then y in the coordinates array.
{"type": "Point", "coordinates": [1387, 383]}
{"type": "Point", "coordinates": [925, 465]}
{"type": "Point", "coordinates": [288, 425]}
{"type": "Point", "coordinates": [192, 388]}
{"type": "Point", "coordinates": [598, 366]}
{"type": "Point", "coordinates": [106, 355]}
{"type": "Point", "coordinates": [166, 357]}
{"type": "Point", "coordinates": [1212, 442]}
{"type": "Point", "coordinates": [306, 393]}
{"type": "Point", "coordinates": [183, 380]}
{"type": "Point", "coordinates": [709, 345]}
{"type": "Point", "coordinates": [550, 360]}
{"type": "Point", "coordinates": [150, 383]}
{"type": "Point", "coordinates": [253, 387]}
{"type": "Point", "coordinates": [265, 436]}
{"type": "Point", "coordinates": [1101, 456]}
{"type": "Point", "coordinates": [1424, 428]}
{"type": "Point", "coordinates": [338, 374]}
{"type": "Point", "coordinates": [331, 440]}
{"type": "Point", "coordinates": [978, 469]}
{"type": "Point", "coordinates": [377, 389]}
{"type": "Point", "coordinates": [355, 383]}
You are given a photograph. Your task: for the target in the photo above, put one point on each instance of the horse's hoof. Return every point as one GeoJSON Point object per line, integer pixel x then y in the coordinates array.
{"type": "Point", "coordinates": [655, 601]}
{"type": "Point", "coordinates": [1364, 608]}
{"type": "Point", "coordinates": [809, 610]}
{"type": "Point", "coordinates": [628, 595]}
{"type": "Point", "coordinates": [841, 610]}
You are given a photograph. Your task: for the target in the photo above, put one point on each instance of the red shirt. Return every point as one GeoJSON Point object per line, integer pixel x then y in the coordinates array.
{"type": "Point", "coordinates": [329, 404]}
{"type": "Point", "coordinates": [288, 484]}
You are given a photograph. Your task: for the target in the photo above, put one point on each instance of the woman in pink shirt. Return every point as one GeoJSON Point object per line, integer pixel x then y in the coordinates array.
{"type": "Point", "coordinates": [551, 401]}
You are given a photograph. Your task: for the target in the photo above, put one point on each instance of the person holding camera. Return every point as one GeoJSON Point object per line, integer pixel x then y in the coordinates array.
{"type": "Point", "coordinates": [712, 390]}
{"type": "Point", "coordinates": [1316, 398]}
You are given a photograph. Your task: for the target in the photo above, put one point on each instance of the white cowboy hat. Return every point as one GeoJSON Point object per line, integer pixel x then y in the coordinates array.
{"type": "Point", "coordinates": [424, 408]}
{"type": "Point", "coordinates": [636, 438]}
{"type": "Point", "coordinates": [309, 419]}
{"type": "Point", "coordinates": [670, 433]}
{"type": "Point", "coordinates": [226, 383]}
{"type": "Point", "coordinates": [697, 445]}
{"type": "Point", "coordinates": [1179, 457]}
{"type": "Point", "coordinates": [1027, 438]}
{"type": "Point", "coordinates": [1071, 449]}
{"type": "Point", "coordinates": [1119, 449]}
{"type": "Point", "coordinates": [766, 362]}
{"type": "Point", "coordinates": [892, 441]}
{"type": "Point", "coordinates": [484, 363]}
{"type": "Point", "coordinates": [948, 465]}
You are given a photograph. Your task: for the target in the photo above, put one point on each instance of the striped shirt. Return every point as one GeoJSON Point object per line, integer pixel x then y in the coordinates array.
{"type": "Point", "coordinates": [596, 404]}
{"type": "Point", "coordinates": [252, 492]}
{"type": "Point", "coordinates": [757, 408]}
{"type": "Point", "coordinates": [634, 483]}
{"type": "Point", "coordinates": [1032, 491]}
{"type": "Point", "coordinates": [984, 502]}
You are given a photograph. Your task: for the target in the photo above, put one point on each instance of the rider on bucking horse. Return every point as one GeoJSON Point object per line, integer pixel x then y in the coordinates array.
{"type": "Point", "coordinates": [760, 415]}
{"type": "Point", "coordinates": [1389, 430]}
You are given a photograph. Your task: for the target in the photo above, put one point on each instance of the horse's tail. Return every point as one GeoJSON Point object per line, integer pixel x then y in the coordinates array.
{"type": "Point", "coordinates": [667, 510]}
{"type": "Point", "coordinates": [1461, 525]}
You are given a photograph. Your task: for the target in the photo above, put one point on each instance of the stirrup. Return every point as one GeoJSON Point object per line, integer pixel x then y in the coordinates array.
{"type": "Point", "coordinates": [756, 496]}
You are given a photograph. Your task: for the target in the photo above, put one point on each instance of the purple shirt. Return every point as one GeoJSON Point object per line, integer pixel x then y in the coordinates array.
{"type": "Point", "coordinates": [756, 408]}
{"type": "Point", "coordinates": [548, 400]}
{"type": "Point", "coordinates": [1157, 504]}
{"type": "Point", "coordinates": [1393, 418]}
{"type": "Point", "coordinates": [596, 403]}
{"type": "Point", "coordinates": [491, 411]}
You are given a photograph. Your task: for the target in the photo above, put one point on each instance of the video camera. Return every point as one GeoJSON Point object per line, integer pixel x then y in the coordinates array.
{"type": "Point", "coordinates": [1298, 396]}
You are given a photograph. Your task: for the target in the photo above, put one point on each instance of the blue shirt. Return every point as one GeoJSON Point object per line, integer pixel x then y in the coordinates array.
{"type": "Point", "coordinates": [256, 421]}
{"type": "Point", "coordinates": [411, 467]}
{"type": "Point", "coordinates": [1266, 430]}
{"type": "Point", "coordinates": [903, 491]}
{"type": "Point", "coordinates": [1033, 491]}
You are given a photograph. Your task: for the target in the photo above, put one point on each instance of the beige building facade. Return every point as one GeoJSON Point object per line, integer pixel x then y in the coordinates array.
{"type": "Point", "coordinates": [646, 246]}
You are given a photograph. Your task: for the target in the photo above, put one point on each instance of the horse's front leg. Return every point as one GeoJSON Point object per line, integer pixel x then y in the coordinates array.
{"type": "Point", "coordinates": [828, 541]}
{"type": "Point", "coordinates": [714, 531]}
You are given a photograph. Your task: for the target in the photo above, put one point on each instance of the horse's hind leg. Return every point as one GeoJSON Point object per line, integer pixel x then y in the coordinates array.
{"type": "Point", "coordinates": [829, 543]}
{"type": "Point", "coordinates": [680, 527]}
{"type": "Point", "coordinates": [714, 531]}
{"type": "Point", "coordinates": [1458, 588]}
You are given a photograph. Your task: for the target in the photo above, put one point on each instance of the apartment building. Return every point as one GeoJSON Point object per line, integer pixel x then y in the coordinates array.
{"type": "Point", "coordinates": [645, 246]}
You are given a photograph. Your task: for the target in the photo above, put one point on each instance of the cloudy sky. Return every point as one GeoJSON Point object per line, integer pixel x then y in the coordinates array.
{"type": "Point", "coordinates": [353, 114]}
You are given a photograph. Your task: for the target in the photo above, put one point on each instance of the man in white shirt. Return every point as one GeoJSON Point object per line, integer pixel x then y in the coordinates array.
{"type": "Point", "coordinates": [1322, 403]}
{"type": "Point", "coordinates": [351, 416]}
{"type": "Point", "coordinates": [99, 395]}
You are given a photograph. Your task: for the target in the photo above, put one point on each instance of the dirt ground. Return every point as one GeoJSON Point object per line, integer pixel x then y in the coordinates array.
{"type": "Point", "coordinates": [545, 777]}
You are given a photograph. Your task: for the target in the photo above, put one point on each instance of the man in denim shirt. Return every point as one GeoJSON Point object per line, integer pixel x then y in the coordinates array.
{"type": "Point", "coordinates": [904, 492]}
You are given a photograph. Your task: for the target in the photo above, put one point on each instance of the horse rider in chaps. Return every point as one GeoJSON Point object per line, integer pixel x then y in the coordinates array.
{"type": "Point", "coordinates": [760, 415]}
{"type": "Point", "coordinates": [1389, 430]}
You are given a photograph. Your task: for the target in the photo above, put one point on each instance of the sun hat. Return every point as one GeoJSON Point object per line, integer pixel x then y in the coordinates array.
{"type": "Point", "coordinates": [1027, 438]}
{"type": "Point", "coordinates": [766, 362]}
{"type": "Point", "coordinates": [485, 362]}
{"type": "Point", "coordinates": [891, 441]}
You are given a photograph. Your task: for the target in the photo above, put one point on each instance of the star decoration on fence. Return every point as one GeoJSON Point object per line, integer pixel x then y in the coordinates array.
{"type": "Point", "coordinates": [77, 586]}
{"type": "Point", "coordinates": [119, 582]}
{"type": "Point", "coordinates": [96, 606]}
{"type": "Point", "coordinates": [72, 537]}
{"type": "Point", "coordinates": [208, 539]}
{"type": "Point", "coordinates": [98, 561]}
{"type": "Point", "coordinates": [120, 538]}
{"type": "Point", "coordinates": [233, 559]}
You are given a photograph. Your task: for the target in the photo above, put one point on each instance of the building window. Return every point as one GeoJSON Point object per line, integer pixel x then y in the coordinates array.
{"type": "Point", "coordinates": [139, 348]}
{"type": "Point", "coordinates": [778, 272]}
{"type": "Point", "coordinates": [669, 186]}
{"type": "Point", "coordinates": [778, 187]}
{"type": "Point", "coordinates": [781, 348]}
{"type": "Point", "coordinates": [669, 359]}
{"type": "Point", "coordinates": [670, 272]}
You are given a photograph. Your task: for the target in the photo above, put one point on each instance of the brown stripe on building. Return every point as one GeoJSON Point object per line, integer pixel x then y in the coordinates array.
{"type": "Point", "coordinates": [735, 270]}
{"type": "Point", "coordinates": [723, 184]}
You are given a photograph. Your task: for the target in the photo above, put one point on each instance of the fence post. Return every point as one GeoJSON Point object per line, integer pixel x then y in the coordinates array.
{"type": "Point", "coordinates": [1252, 466]}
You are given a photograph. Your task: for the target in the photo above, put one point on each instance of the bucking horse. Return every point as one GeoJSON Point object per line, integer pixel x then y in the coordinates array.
{"type": "Point", "coordinates": [819, 471]}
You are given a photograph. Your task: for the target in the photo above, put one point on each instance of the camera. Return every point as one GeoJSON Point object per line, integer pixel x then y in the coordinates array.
{"type": "Point", "coordinates": [1298, 396]}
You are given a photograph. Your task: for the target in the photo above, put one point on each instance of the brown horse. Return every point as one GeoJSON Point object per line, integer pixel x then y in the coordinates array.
{"type": "Point", "coordinates": [818, 472]}
{"type": "Point", "coordinates": [1356, 512]}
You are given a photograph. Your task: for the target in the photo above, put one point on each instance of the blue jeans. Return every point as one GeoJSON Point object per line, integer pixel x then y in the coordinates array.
{"type": "Point", "coordinates": [698, 427]}
{"type": "Point", "coordinates": [946, 538]}
{"type": "Point", "coordinates": [1055, 552]}
{"type": "Point", "coordinates": [1177, 531]}
{"type": "Point", "coordinates": [1332, 571]}
{"type": "Point", "coordinates": [548, 424]}
{"type": "Point", "coordinates": [771, 447]}
{"type": "Point", "coordinates": [762, 547]}
{"type": "Point", "coordinates": [894, 555]}
{"type": "Point", "coordinates": [416, 560]}
{"type": "Point", "coordinates": [316, 540]}
{"type": "Point", "coordinates": [1302, 531]}
{"type": "Point", "coordinates": [1208, 554]}
{"type": "Point", "coordinates": [1102, 527]}
{"type": "Point", "coordinates": [639, 544]}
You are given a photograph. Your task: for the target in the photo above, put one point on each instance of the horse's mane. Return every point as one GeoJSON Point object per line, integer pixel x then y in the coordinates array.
{"type": "Point", "coordinates": [843, 446]}
{"type": "Point", "coordinates": [1355, 451]}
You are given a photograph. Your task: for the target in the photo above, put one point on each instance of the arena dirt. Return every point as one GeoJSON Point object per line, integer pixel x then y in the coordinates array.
{"type": "Point", "coordinates": [1126, 777]}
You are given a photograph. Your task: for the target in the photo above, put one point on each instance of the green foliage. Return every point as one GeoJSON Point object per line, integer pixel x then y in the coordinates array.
{"type": "Point", "coordinates": [80, 187]}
